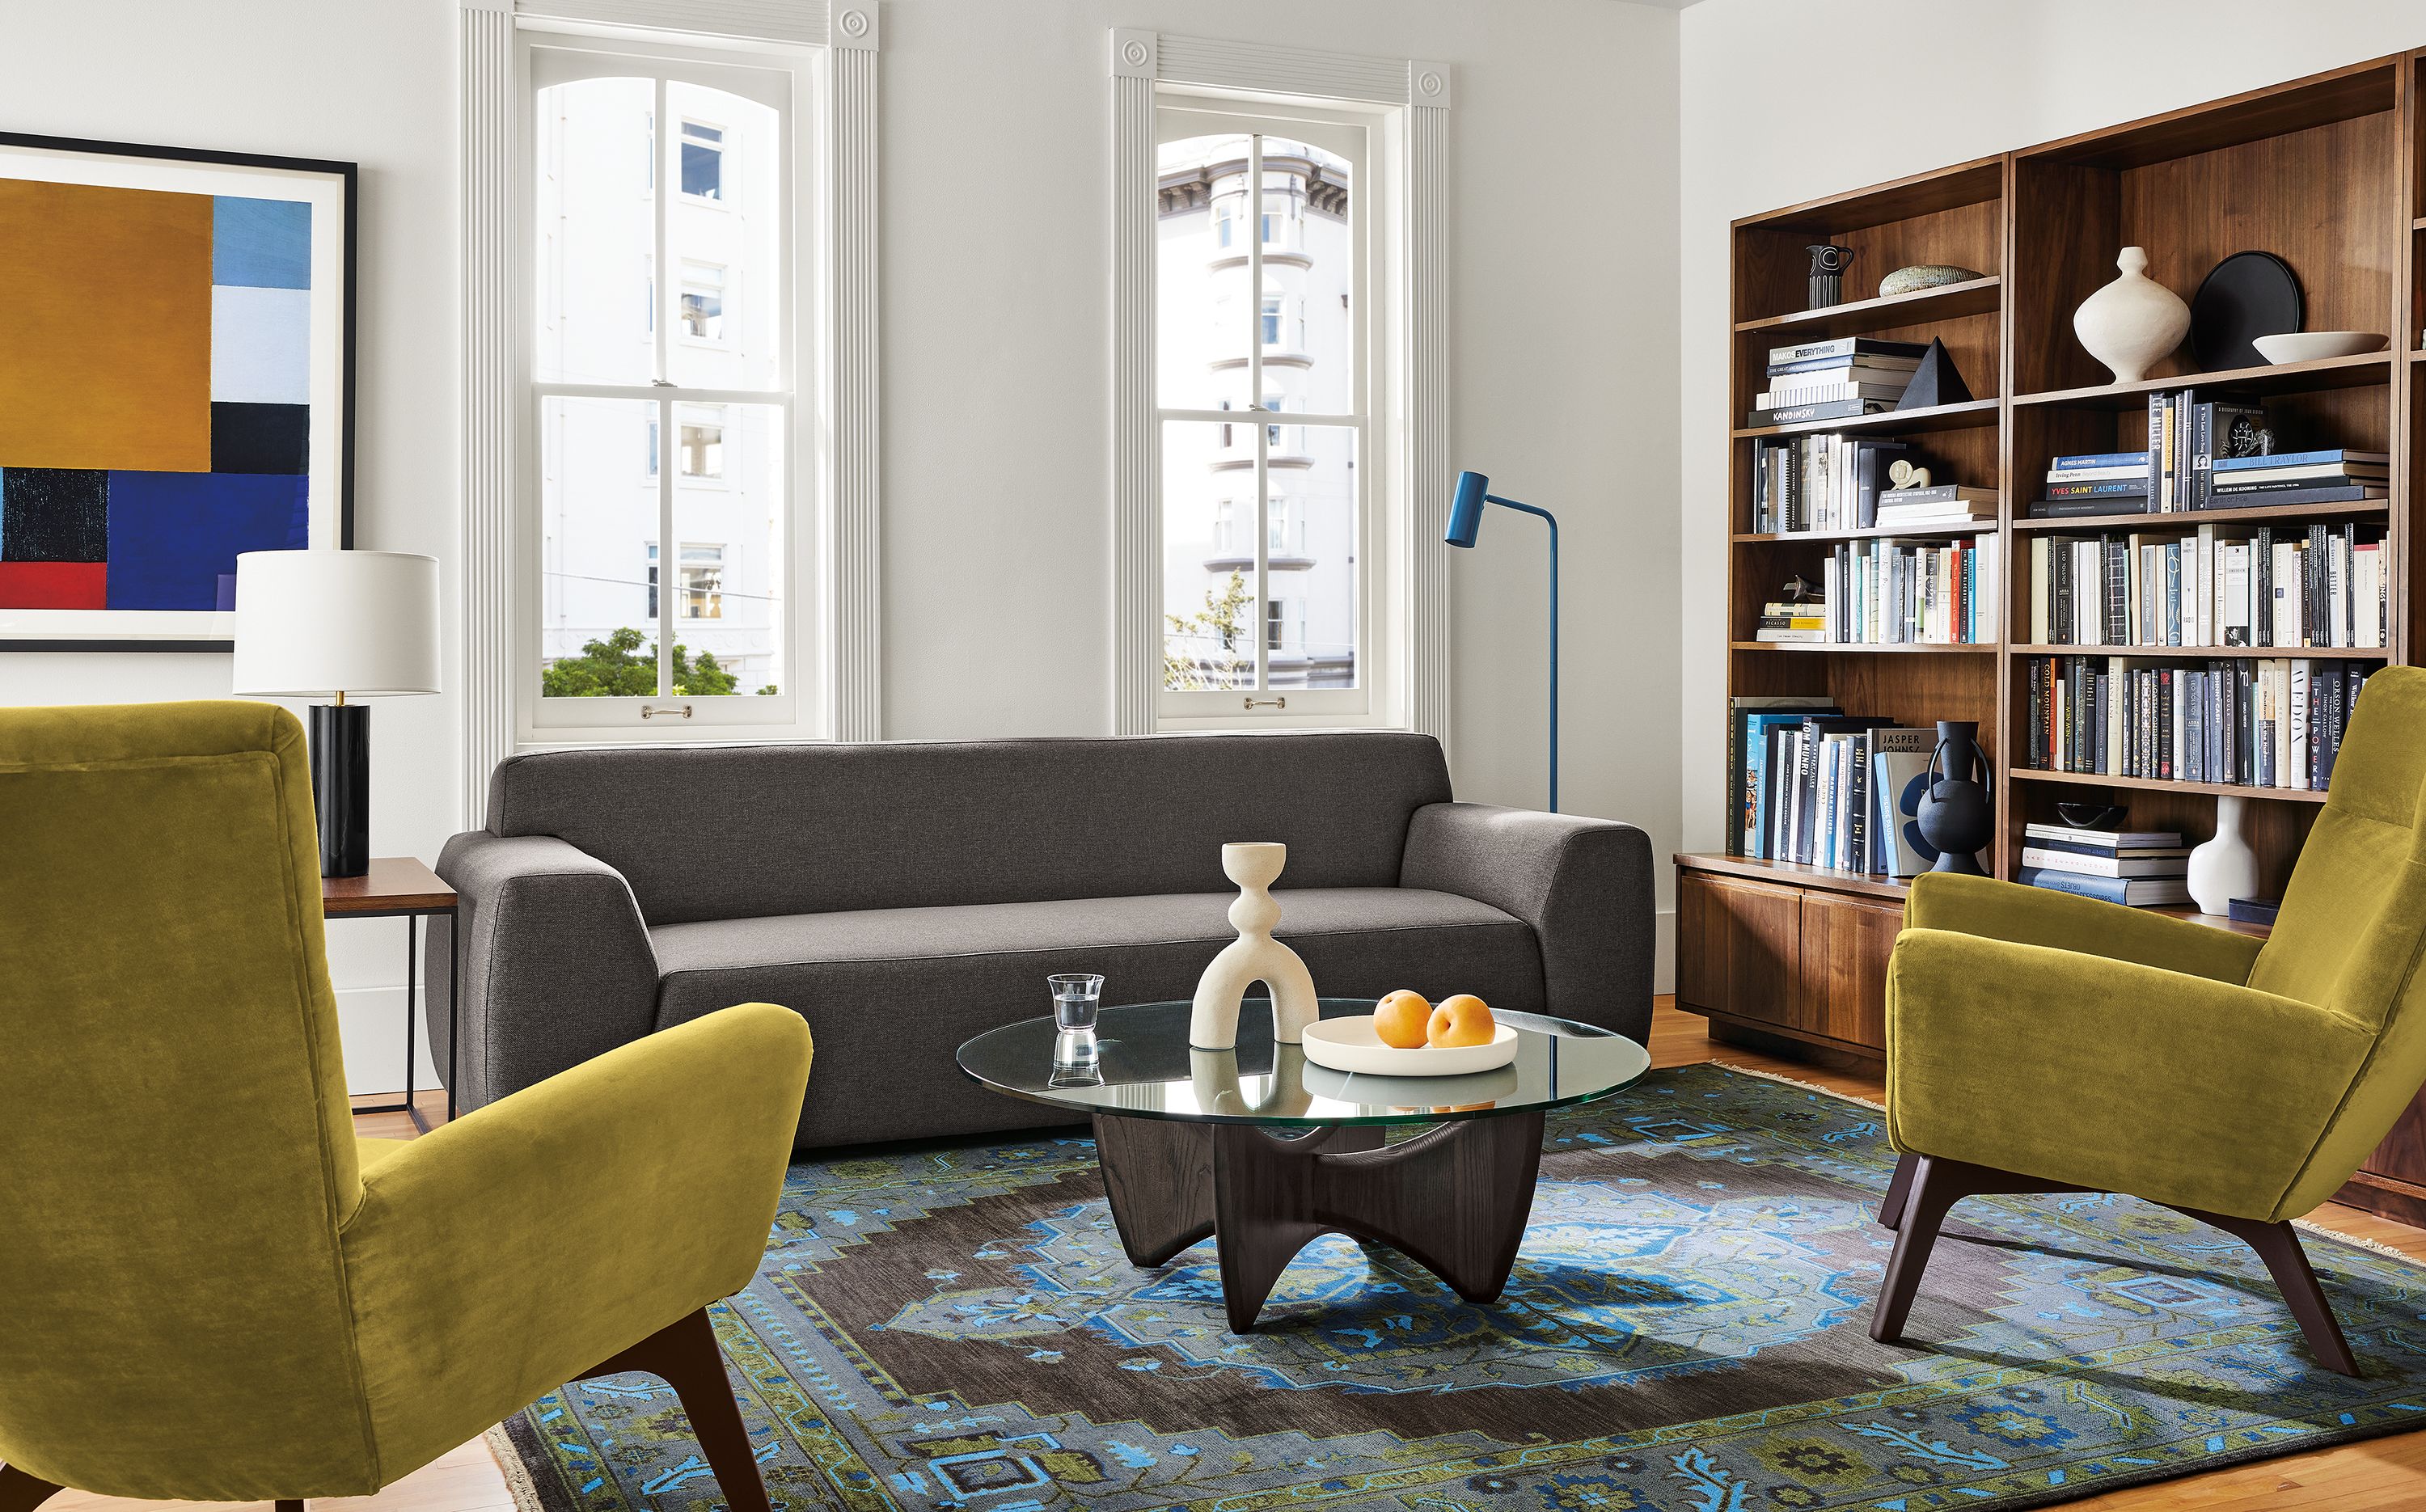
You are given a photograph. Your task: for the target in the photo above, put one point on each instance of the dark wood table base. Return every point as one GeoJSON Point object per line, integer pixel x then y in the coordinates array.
{"type": "Point", "coordinates": [1453, 1199]}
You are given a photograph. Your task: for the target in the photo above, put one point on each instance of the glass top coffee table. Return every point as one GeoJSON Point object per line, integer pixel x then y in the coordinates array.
{"type": "Point", "coordinates": [1263, 1150]}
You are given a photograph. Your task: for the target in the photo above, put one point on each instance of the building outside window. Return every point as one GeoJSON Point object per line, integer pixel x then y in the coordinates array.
{"type": "Point", "coordinates": [1263, 524]}
{"type": "Point", "coordinates": [700, 396]}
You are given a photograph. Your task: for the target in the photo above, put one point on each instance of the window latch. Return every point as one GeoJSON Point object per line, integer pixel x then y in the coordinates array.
{"type": "Point", "coordinates": [1268, 704]}
{"type": "Point", "coordinates": [647, 713]}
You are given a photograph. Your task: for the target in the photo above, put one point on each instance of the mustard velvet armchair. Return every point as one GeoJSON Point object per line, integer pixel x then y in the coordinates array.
{"type": "Point", "coordinates": [213, 1291]}
{"type": "Point", "coordinates": [2039, 1042]}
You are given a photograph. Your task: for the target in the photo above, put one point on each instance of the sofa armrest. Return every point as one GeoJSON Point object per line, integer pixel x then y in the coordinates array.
{"type": "Point", "coordinates": [1584, 885]}
{"type": "Point", "coordinates": [556, 968]}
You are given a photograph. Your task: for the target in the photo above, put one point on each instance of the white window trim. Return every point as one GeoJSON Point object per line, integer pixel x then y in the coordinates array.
{"type": "Point", "coordinates": [1409, 408]}
{"type": "Point", "coordinates": [837, 271]}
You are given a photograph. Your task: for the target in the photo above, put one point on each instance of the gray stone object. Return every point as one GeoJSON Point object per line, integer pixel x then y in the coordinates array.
{"type": "Point", "coordinates": [1925, 276]}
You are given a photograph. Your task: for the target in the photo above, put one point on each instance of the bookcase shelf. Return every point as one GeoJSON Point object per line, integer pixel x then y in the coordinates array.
{"type": "Point", "coordinates": [1965, 416]}
{"type": "Point", "coordinates": [2159, 785]}
{"type": "Point", "coordinates": [2327, 172]}
{"type": "Point", "coordinates": [2200, 653]}
{"type": "Point", "coordinates": [2244, 514]}
{"type": "Point", "coordinates": [2356, 372]}
{"type": "Point", "coordinates": [1890, 312]}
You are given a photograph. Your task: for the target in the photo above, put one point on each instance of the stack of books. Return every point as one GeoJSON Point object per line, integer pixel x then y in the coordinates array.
{"type": "Point", "coordinates": [1827, 789]}
{"type": "Point", "coordinates": [1783, 623]}
{"type": "Point", "coordinates": [1833, 379]}
{"type": "Point", "coordinates": [2186, 436]}
{"type": "Point", "coordinates": [2096, 483]}
{"type": "Point", "coordinates": [1823, 482]}
{"type": "Point", "coordinates": [2266, 585]}
{"type": "Point", "coordinates": [2144, 869]}
{"type": "Point", "coordinates": [2334, 476]}
{"type": "Point", "coordinates": [1893, 593]}
{"type": "Point", "coordinates": [1941, 504]}
{"type": "Point", "coordinates": [2268, 723]}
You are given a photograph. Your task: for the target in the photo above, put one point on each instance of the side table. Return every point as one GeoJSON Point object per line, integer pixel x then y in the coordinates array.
{"type": "Point", "coordinates": [401, 887]}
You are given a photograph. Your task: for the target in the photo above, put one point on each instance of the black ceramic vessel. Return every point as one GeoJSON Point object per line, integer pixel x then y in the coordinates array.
{"type": "Point", "coordinates": [1955, 815]}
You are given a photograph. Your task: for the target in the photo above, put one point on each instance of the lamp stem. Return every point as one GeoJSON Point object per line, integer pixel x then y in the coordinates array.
{"type": "Point", "coordinates": [1553, 520]}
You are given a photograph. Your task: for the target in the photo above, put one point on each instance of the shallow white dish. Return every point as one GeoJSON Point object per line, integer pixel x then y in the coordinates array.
{"type": "Point", "coordinates": [1351, 1045]}
{"type": "Point", "coordinates": [2316, 345]}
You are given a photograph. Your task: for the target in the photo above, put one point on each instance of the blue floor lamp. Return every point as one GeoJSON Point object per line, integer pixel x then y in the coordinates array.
{"type": "Point", "coordinates": [1465, 521]}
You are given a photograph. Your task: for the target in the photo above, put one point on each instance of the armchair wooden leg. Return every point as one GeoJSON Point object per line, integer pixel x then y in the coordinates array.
{"type": "Point", "coordinates": [684, 1354]}
{"type": "Point", "coordinates": [2278, 1246]}
{"type": "Point", "coordinates": [21, 1492]}
{"type": "Point", "coordinates": [1920, 1196]}
{"type": "Point", "coordinates": [296, 1506]}
{"type": "Point", "coordinates": [1898, 1188]}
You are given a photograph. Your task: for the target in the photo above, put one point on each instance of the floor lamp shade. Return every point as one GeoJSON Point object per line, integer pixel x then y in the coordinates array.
{"type": "Point", "coordinates": [340, 624]}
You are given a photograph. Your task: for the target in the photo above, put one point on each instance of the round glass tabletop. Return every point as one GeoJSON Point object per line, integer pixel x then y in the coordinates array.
{"type": "Point", "coordinates": [1144, 1066]}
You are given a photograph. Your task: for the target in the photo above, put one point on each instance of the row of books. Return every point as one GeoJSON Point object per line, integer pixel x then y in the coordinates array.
{"type": "Point", "coordinates": [2322, 587]}
{"type": "Point", "coordinates": [2273, 722]}
{"type": "Point", "coordinates": [2142, 869]}
{"type": "Point", "coordinates": [1834, 379]}
{"type": "Point", "coordinates": [1886, 593]}
{"type": "Point", "coordinates": [1823, 482]}
{"type": "Point", "coordinates": [1808, 782]}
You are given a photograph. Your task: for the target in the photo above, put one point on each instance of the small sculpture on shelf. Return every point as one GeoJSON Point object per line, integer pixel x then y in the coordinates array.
{"type": "Point", "coordinates": [1798, 589]}
{"type": "Point", "coordinates": [2132, 322]}
{"type": "Point", "coordinates": [1904, 476]}
{"type": "Point", "coordinates": [1926, 275]}
{"type": "Point", "coordinates": [1934, 381]}
{"type": "Point", "coordinates": [1828, 265]}
{"type": "Point", "coordinates": [1955, 815]}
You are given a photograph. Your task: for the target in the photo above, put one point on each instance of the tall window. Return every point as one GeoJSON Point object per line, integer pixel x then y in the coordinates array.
{"type": "Point", "coordinates": [703, 391]}
{"type": "Point", "coordinates": [1266, 529]}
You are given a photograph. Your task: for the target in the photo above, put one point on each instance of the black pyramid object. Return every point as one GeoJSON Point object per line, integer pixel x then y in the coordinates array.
{"type": "Point", "coordinates": [1934, 381]}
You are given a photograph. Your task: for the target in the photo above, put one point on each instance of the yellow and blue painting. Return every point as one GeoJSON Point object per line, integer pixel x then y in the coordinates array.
{"type": "Point", "coordinates": [155, 397]}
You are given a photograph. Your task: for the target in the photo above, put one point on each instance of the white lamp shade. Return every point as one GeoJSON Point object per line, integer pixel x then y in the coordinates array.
{"type": "Point", "coordinates": [311, 623]}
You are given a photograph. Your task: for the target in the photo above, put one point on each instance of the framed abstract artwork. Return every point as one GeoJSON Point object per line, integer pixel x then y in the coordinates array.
{"type": "Point", "coordinates": [176, 384]}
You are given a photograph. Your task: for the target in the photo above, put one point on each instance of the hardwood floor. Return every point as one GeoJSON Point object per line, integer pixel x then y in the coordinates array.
{"type": "Point", "coordinates": [2378, 1475]}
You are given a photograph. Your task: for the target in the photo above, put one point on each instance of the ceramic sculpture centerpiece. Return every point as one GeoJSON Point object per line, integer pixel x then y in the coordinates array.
{"type": "Point", "coordinates": [2133, 322]}
{"type": "Point", "coordinates": [1254, 957]}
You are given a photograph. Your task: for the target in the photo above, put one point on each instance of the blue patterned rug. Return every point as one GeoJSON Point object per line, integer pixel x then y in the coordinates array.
{"type": "Point", "coordinates": [957, 1328]}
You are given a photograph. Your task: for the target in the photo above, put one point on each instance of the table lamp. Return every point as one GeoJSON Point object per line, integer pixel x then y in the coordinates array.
{"type": "Point", "coordinates": [313, 624]}
{"type": "Point", "coordinates": [1465, 523]}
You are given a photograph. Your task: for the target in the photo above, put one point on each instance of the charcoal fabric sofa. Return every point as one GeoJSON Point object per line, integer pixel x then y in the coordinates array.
{"type": "Point", "coordinates": [904, 896]}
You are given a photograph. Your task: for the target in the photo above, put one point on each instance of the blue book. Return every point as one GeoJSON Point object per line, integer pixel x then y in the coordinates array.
{"type": "Point", "coordinates": [2131, 892]}
{"type": "Point", "coordinates": [2072, 464]}
{"type": "Point", "coordinates": [2337, 454]}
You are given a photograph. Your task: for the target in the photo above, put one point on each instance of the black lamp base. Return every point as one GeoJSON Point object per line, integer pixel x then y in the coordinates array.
{"type": "Point", "coordinates": [341, 786]}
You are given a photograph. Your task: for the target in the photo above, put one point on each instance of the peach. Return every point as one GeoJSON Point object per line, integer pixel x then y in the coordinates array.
{"type": "Point", "coordinates": [1463, 1019]}
{"type": "Point", "coordinates": [1401, 1020]}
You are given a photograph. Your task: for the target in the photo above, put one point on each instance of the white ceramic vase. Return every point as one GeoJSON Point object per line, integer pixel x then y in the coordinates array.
{"type": "Point", "coordinates": [1254, 957]}
{"type": "Point", "coordinates": [2224, 868]}
{"type": "Point", "coordinates": [2132, 322]}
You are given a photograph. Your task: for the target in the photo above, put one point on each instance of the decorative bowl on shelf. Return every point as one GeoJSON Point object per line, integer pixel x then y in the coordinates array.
{"type": "Point", "coordinates": [2092, 815]}
{"type": "Point", "coordinates": [2316, 345]}
{"type": "Point", "coordinates": [1925, 276]}
{"type": "Point", "coordinates": [1353, 1045]}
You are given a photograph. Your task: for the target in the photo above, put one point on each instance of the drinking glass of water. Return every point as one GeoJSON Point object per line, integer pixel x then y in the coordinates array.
{"type": "Point", "coordinates": [1077, 997]}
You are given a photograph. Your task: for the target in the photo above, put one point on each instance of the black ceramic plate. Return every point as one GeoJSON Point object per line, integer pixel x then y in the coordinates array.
{"type": "Point", "coordinates": [2249, 295]}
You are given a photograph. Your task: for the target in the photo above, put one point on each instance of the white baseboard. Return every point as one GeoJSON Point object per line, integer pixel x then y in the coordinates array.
{"type": "Point", "coordinates": [371, 1021]}
{"type": "Point", "coordinates": [1663, 951]}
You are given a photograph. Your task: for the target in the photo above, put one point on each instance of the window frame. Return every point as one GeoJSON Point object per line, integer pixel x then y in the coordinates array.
{"type": "Point", "coordinates": [1182, 114]}
{"type": "Point", "coordinates": [799, 218]}
{"type": "Point", "coordinates": [1408, 470]}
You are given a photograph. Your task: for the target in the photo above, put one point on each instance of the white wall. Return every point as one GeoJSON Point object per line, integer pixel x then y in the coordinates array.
{"type": "Point", "coordinates": [996, 513]}
{"type": "Point", "coordinates": [1924, 84]}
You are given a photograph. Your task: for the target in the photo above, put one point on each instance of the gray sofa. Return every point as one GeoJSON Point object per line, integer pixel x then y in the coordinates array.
{"type": "Point", "coordinates": [905, 897]}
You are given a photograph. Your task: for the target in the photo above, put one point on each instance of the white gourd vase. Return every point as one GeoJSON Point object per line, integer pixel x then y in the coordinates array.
{"type": "Point", "coordinates": [2133, 322]}
{"type": "Point", "coordinates": [1254, 957]}
{"type": "Point", "coordinates": [2224, 868]}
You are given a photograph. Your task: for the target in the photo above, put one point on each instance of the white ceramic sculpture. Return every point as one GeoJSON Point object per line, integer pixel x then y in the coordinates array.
{"type": "Point", "coordinates": [2224, 868]}
{"type": "Point", "coordinates": [2132, 322]}
{"type": "Point", "coordinates": [1254, 957]}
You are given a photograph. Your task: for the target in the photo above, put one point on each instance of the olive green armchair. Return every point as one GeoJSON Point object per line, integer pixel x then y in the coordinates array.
{"type": "Point", "coordinates": [213, 1291]}
{"type": "Point", "coordinates": [2039, 1042]}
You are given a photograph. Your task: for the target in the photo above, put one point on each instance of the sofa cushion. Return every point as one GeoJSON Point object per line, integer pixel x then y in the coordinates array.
{"type": "Point", "coordinates": [729, 831]}
{"type": "Point", "coordinates": [892, 992]}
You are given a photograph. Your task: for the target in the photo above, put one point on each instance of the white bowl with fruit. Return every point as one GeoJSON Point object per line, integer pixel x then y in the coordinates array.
{"type": "Point", "coordinates": [1406, 1036]}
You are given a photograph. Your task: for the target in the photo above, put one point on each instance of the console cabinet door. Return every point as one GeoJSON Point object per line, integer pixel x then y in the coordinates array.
{"type": "Point", "coordinates": [1846, 942]}
{"type": "Point", "coordinates": [1737, 947]}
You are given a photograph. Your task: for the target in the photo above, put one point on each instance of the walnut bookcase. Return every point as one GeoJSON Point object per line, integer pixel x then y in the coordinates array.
{"type": "Point", "coordinates": [2327, 172]}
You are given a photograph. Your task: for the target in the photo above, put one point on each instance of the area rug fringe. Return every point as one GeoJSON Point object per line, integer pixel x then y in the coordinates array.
{"type": "Point", "coordinates": [1808, 1086]}
{"type": "Point", "coordinates": [518, 1478]}
{"type": "Point", "coordinates": [2355, 1242]}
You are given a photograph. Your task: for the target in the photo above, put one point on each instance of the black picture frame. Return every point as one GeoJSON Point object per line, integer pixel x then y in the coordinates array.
{"type": "Point", "coordinates": [349, 176]}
